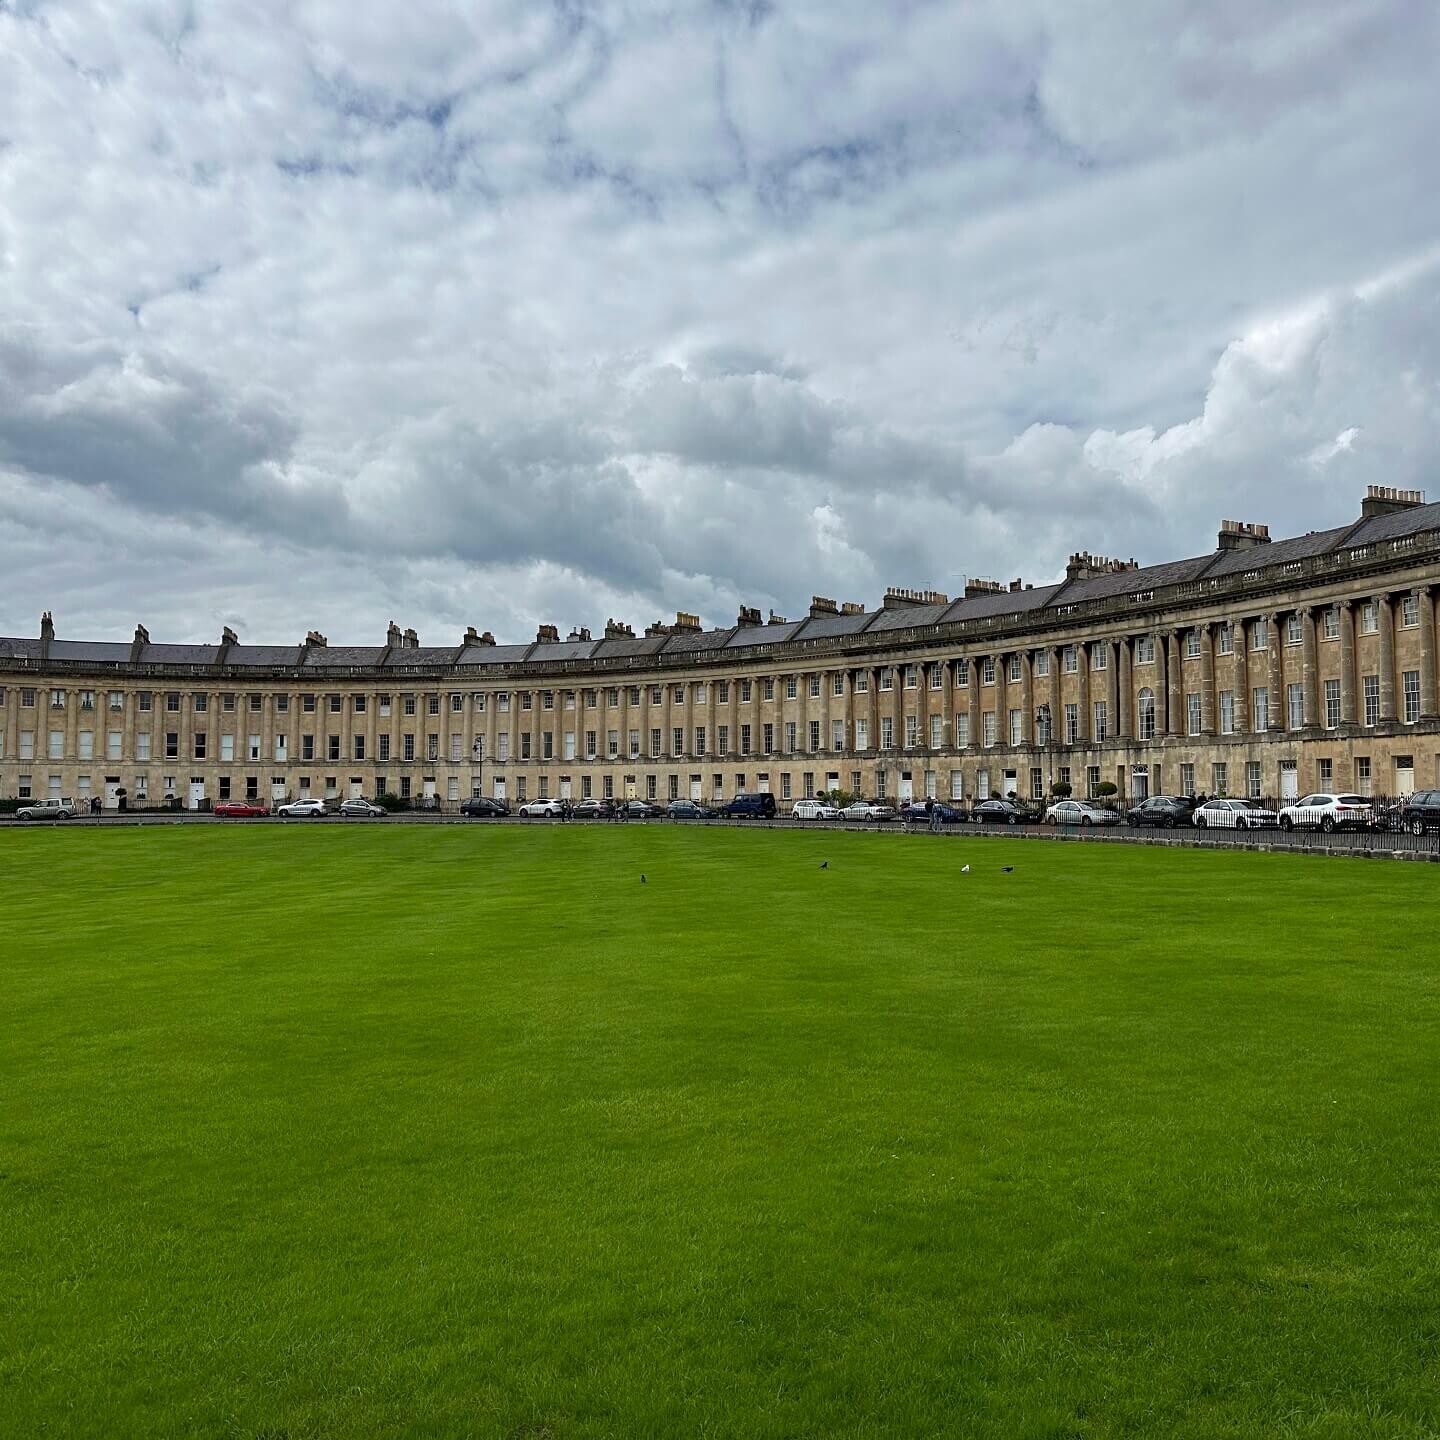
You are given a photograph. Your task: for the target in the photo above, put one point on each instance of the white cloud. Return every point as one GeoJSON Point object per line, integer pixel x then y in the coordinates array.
{"type": "Point", "coordinates": [503, 314]}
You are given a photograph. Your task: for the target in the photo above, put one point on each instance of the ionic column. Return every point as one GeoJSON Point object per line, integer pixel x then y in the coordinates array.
{"type": "Point", "coordinates": [1426, 604]}
{"type": "Point", "coordinates": [973, 699]}
{"type": "Point", "coordinates": [1174, 683]}
{"type": "Point", "coordinates": [1274, 640]}
{"type": "Point", "coordinates": [1241, 642]}
{"type": "Point", "coordinates": [1124, 689]}
{"type": "Point", "coordinates": [1348, 714]}
{"type": "Point", "coordinates": [1387, 658]}
{"type": "Point", "coordinates": [1207, 679]}
{"type": "Point", "coordinates": [1027, 699]}
{"type": "Point", "coordinates": [1309, 670]}
{"type": "Point", "coordinates": [1082, 697]}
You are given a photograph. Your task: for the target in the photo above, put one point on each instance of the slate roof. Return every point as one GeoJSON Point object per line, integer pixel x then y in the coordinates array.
{"type": "Point", "coordinates": [904, 617]}
{"type": "Point", "coordinates": [563, 650]}
{"type": "Point", "coordinates": [486, 654]}
{"type": "Point", "coordinates": [744, 635]}
{"type": "Point", "coordinates": [271, 657]}
{"type": "Point", "coordinates": [1393, 527]}
{"type": "Point", "coordinates": [1278, 552]}
{"type": "Point", "coordinates": [1000, 602]}
{"type": "Point", "coordinates": [426, 655]}
{"type": "Point", "coordinates": [339, 657]}
{"type": "Point", "coordinates": [17, 649]}
{"type": "Point", "coordinates": [822, 627]}
{"type": "Point", "coordinates": [619, 649]}
{"type": "Point", "coordinates": [684, 640]}
{"type": "Point", "coordinates": [106, 652]}
{"type": "Point", "coordinates": [179, 654]}
{"type": "Point", "coordinates": [1125, 582]}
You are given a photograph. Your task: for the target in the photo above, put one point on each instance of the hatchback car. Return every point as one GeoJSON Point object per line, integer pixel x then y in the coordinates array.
{"type": "Point", "coordinates": [593, 810]}
{"type": "Point", "coordinates": [999, 812]}
{"type": "Point", "coordinates": [240, 809]}
{"type": "Point", "coordinates": [642, 810]}
{"type": "Point", "coordinates": [1328, 813]}
{"type": "Point", "coordinates": [689, 810]}
{"type": "Point", "coordinates": [868, 810]}
{"type": "Point", "coordinates": [298, 809]}
{"type": "Point", "coordinates": [1234, 815]}
{"type": "Point", "coordinates": [1165, 811]}
{"type": "Point", "coordinates": [814, 810]}
{"type": "Point", "coordinates": [1080, 812]}
{"type": "Point", "coordinates": [362, 810]}
{"type": "Point", "coordinates": [915, 813]}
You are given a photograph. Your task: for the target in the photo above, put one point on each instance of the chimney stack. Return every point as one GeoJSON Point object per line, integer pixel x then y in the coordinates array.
{"type": "Point", "coordinates": [897, 597]}
{"type": "Point", "coordinates": [851, 607]}
{"type": "Point", "coordinates": [749, 615]}
{"type": "Point", "coordinates": [547, 635]}
{"type": "Point", "coordinates": [316, 640]}
{"type": "Point", "coordinates": [618, 630]}
{"type": "Point", "coordinates": [393, 637]}
{"type": "Point", "coordinates": [822, 605]}
{"type": "Point", "coordinates": [1085, 566]}
{"type": "Point", "coordinates": [982, 587]}
{"type": "Point", "coordinates": [684, 620]}
{"type": "Point", "coordinates": [1386, 500]}
{"type": "Point", "coordinates": [579, 633]}
{"type": "Point", "coordinates": [229, 637]}
{"type": "Point", "coordinates": [47, 628]}
{"type": "Point", "coordinates": [141, 640]}
{"type": "Point", "coordinates": [1241, 535]}
{"type": "Point", "coordinates": [412, 640]}
{"type": "Point", "coordinates": [471, 637]}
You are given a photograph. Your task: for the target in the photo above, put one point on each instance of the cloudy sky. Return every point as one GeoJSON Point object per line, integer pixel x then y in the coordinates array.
{"type": "Point", "coordinates": [317, 314]}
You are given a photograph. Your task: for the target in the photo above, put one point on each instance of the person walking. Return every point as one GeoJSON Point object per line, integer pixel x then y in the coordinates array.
{"type": "Point", "coordinates": [933, 811]}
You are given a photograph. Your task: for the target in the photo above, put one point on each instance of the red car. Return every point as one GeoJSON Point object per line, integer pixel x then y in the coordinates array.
{"type": "Point", "coordinates": [244, 809]}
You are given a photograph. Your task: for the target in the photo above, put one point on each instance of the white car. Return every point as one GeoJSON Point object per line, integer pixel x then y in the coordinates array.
{"type": "Point", "coordinates": [1233, 815]}
{"type": "Point", "coordinates": [1079, 812]}
{"type": "Point", "coordinates": [298, 809]}
{"type": "Point", "coordinates": [867, 810]}
{"type": "Point", "coordinates": [1328, 813]}
{"type": "Point", "coordinates": [814, 810]}
{"type": "Point", "coordinates": [542, 809]}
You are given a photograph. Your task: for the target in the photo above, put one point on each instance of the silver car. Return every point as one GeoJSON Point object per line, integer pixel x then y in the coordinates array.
{"type": "Point", "coordinates": [867, 810]}
{"type": "Point", "coordinates": [362, 809]}
{"type": "Point", "coordinates": [298, 809]}
{"type": "Point", "coordinates": [1080, 812]}
{"type": "Point", "coordinates": [47, 810]}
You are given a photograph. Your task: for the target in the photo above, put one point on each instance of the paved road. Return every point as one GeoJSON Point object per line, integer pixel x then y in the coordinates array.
{"type": "Point", "coordinates": [1381, 843]}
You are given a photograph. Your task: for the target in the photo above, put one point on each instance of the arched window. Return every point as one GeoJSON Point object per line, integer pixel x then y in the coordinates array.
{"type": "Point", "coordinates": [1147, 714]}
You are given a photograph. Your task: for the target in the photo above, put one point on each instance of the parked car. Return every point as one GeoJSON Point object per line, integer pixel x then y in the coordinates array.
{"type": "Point", "coordinates": [362, 810]}
{"type": "Point", "coordinates": [915, 813]}
{"type": "Point", "coordinates": [47, 810]}
{"type": "Point", "coordinates": [241, 809]}
{"type": "Point", "coordinates": [482, 807]}
{"type": "Point", "coordinates": [1417, 813]}
{"type": "Point", "coordinates": [868, 810]}
{"type": "Point", "coordinates": [541, 810]}
{"type": "Point", "coordinates": [643, 810]}
{"type": "Point", "coordinates": [1166, 811]}
{"type": "Point", "coordinates": [1328, 813]}
{"type": "Point", "coordinates": [1234, 815]}
{"type": "Point", "coordinates": [689, 810]}
{"type": "Point", "coordinates": [999, 812]}
{"type": "Point", "coordinates": [814, 810]}
{"type": "Point", "coordinates": [297, 809]}
{"type": "Point", "coordinates": [760, 806]}
{"type": "Point", "coordinates": [593, 810]}
{"type": "Point", "coordinates": [1080, 812]}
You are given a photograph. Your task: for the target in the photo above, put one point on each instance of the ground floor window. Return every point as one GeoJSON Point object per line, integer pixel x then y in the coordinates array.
{"type": "Point", "coordinates": [1037, 783]}
{"type": "Point", "coordinates": [1362, 774]}
{"type": "Point", "coordinates": [785, 785]}
{"type": "Point", "coordinates": [957, 785]}
{"type": "Point", "coordinates": [1218, 776]}
{"type": "Point", "coordinates": [1187, 778]}
{"type": "Point", "coordinates": [1092, 780]}
{"type": "Point", "coordinates": [22, 788]}
{"type": "Point", "coordinates": [1252, 779]}
{"type": "Point", "coordinates": [1325, 773]}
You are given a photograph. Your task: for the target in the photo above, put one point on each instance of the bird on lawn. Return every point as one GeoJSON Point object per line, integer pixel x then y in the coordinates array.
{"type": "Point", "coordinates": [964, 869]}
{"type": "Point", "coordinates": [824, 864]}
{"type": "Point", "coordinates": [1007, 869]}
{"type": "Point", "coordinates": [642, 879]}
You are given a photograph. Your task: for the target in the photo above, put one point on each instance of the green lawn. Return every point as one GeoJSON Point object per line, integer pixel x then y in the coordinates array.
{"type": "Point", "coordinates": [444, 1131]}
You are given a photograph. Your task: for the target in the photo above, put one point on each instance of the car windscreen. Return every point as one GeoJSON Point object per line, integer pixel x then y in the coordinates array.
{"type": "Point", "coordinates": [1352, 799]}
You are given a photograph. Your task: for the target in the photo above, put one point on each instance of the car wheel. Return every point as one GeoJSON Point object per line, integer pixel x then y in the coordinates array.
{"type": "Point", "coordinates": [1327, 825]}
{"type": "Point", "coordinates": [1286, 823]}
{"type": "Point", "coordinates": [1168, 822]}
{"type": "Point", "coordinates": [1132, 822]}
{"type": "Point", "coordinates": [1086, 822]}
{"type": "Point", "coordinates": [1200, 823]}
{"type": "Point", "coordinates": [1010, 820]}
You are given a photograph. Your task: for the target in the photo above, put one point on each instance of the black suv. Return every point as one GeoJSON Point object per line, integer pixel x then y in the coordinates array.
{"type": "Point", "coordinates": [1421, 812]}
{"type": "Point", "coordinates": [1166, 811]}
{"type": "Point", "coordinates": [759, 806]}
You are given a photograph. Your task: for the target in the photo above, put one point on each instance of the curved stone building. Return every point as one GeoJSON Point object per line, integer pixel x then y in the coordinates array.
{"type": "Point", "coordinates": [1263, 668]}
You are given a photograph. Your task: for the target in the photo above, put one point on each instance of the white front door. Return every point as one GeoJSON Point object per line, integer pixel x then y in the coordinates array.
{"type": "Point", "coordinates": [564, 789]}
{"type": "Point", "coordinates": [1139, 783]}
{"type": "Point", "coordinates": [357, 789]}
{"type": "Point", "coordinates": [764, 786]}
{"type": "Point", "coordinates": [499, 788]}
{"type": "Point", "coordinates": [1289, 782]}
{"type": "Point", "coordinates": [695, 787]}
{"type": "Point", "coordinates": [1012, 783]}
{"type": "Point", "coordinates": [112, 794]}
{"type": "Point", "coordinates": [197, 794]}
{"type": "Point", "coordinates": [277, 792]}
{"type": "Point", "coordinates": [907, 790]}
{"type": "Point", "coordinates": [1404, 779]}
